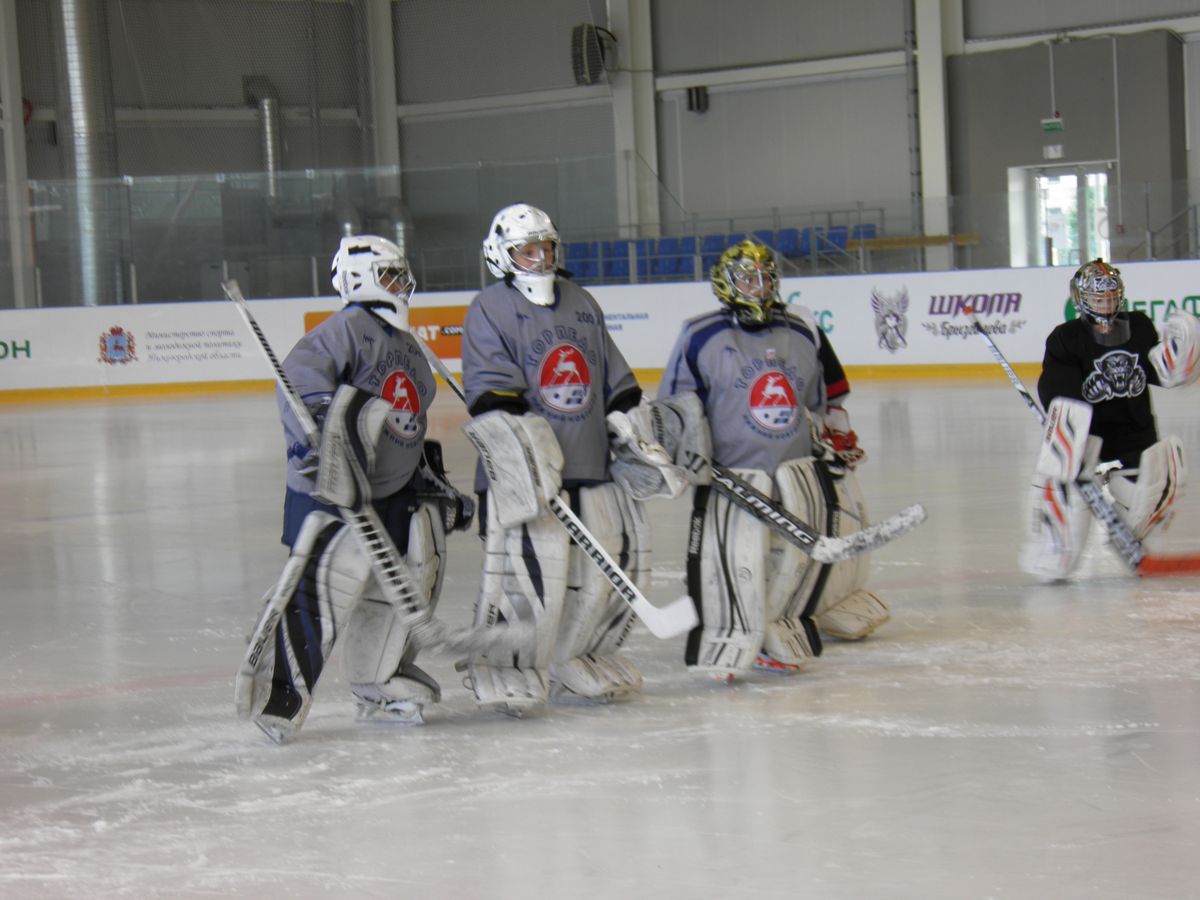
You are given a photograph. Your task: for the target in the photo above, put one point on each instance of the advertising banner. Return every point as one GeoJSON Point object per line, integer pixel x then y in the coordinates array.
{"type": "Point", "coordinates": [878, 321]}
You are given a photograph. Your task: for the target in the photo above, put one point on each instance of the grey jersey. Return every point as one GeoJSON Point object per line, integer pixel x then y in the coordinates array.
{"type": "Point", "coordinates": [560, 360]}
{"type": "Point", "coordinates": [755, 385]}
{"type": "Point", "coordinates": [353, 346]}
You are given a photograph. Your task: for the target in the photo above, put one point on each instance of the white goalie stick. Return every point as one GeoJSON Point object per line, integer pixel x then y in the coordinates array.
{"type": "Point", "coordinates": [1126, 544]}
{"type": "Point", "coordinates": [387, 565]}
{"type": "Point", "coordinates": [822, 548]}
{"type": "Point", "coordinates": [666, 621]}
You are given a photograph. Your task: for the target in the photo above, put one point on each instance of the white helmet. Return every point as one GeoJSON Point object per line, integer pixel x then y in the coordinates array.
{"type": "Point", "coordinates": [513, 228]}
{"type": "Point", "coordinates": [373, 271]}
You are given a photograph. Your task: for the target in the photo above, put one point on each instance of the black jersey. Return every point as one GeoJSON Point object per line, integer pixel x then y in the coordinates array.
{"type": "Point", "coordinates": [1114, 380]}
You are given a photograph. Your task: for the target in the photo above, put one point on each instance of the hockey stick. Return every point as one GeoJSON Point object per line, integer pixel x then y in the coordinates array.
{"type": "Point", "coordinates": [667, 621]}
{"type": "Point", "coordinates": [1128, 547]}
{"type": "Point", "coordinates": [822, 548]}
{"type": "Point", "coordinates": [388, 566]}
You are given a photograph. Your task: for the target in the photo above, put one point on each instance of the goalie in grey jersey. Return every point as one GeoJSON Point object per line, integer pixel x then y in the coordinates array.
{"type": "Point", "coordinates": [770, 388]}
{"type": "Point", "coordinates": [364, 360]}
{"type": "Point", "coordinates": [545, 384]}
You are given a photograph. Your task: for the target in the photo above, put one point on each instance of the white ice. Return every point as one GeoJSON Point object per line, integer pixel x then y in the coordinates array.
{"type": "Point", "coordinates": [998, 739]}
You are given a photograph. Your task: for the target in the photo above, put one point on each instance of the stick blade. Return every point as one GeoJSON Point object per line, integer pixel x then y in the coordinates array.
{"type": "Point", "coordinates": [1151, 566]}
{"type": "Point", "coordinates": [668, 621]}
{"type": "Point", "coordinates": [836, 549]}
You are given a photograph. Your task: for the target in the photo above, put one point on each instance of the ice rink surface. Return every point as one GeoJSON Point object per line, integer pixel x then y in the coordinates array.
{"type": "Point", "coordinates": [997, 739]}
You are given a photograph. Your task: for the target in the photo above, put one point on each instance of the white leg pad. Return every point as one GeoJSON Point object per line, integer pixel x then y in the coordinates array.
{"type": "Point", "coordinates": [788, 641]}
{"type": "Point", "coordinates": [1151, 500]}
{"type": "Point", "coordinates": [854, 616]}
{"type": "Point", "coordinates": [1059, 521]}
{"type": "Point", "coordinates": [726, 573]}
{"type": "Point", "coordinates": [596, 619]}
{"type": "Point", "coordinates": [378, 653]}
{"type": "Point", "coordinates": [322, 583]}
{"type": "Point", "coordinates": [524, 580]}
{"type": "Point", "coordinates": [508, 689]}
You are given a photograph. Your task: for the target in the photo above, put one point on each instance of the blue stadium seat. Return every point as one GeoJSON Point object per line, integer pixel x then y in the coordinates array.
{"type": "Point", "coordinates": [834, 240]}
{"type": "Point", "coordinates": [766, 236]}
{"type": "Point", "coordinates": [583, 260]}
{"type": "Point", "coordinates": [805, 246]}
{"type": "Point", "coordinates": [711, 248]}
{"type": "Point", "coordinates": [788, 241]}
{"type": "Point", "coordinates": [666, 261]}
{"type": "Point", "coordinates": [616, 260]}
{"type": "Point", "coordinates": [645, 250]}
{"type": "Point", "coordinates": [864, 231]}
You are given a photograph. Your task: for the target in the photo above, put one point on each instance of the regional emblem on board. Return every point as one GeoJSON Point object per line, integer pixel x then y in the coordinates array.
{"type": "Point", "coordinates": [773, 402]}
{"type": "Point", "coordinates": [117, 347]}
{"type": "Point", "coordinates": [400, 391]}
{"type": "Point", "coordinates": [564, 381]}
{"type": "Point", "coordinates": [891, 321]}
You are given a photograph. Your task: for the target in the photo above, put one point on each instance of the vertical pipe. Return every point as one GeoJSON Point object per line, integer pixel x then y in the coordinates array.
{"type": "Point", "coordinates": [268, 108]}
{"type": "Point", "coordinates": [87, 124]}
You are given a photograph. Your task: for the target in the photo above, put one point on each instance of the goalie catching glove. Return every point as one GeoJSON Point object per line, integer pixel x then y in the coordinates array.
{"type": "Point", "coordinates": [638, 463]}
{"type": "Point", "coordinates": [1177, 358]}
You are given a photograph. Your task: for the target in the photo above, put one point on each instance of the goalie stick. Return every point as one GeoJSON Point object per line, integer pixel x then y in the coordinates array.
{"type": "Point", "coordinates": [822, 548]}
{"type": "Point", "coordinates": [667, 621]}
{"type": "Point", "coordinates": [1128, 547]}
{"type": "Point", "coordinates": [386, 563]}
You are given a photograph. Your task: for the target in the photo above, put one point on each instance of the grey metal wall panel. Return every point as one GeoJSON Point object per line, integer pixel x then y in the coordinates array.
{"type": "Point", "coordinates": [808, 145]}
{"type": "Point", "coordinates": [480, 48]}
{"type": "Point", "coordinates": [697, 35]}
{"type": "Point", "coordinates": [989, 19]}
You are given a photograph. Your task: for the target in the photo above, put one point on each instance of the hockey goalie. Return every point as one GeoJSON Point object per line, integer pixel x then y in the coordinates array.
{"type": "Point", "coordinates": [759, 389]}
{"type": "Point", "coordinates": [1100, 425]}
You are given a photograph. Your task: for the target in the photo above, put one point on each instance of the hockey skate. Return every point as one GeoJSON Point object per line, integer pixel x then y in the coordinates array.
{"type": "Point", "coordinates": [277, 728]}
{"type": "Point", "coordinates": [370, 702]}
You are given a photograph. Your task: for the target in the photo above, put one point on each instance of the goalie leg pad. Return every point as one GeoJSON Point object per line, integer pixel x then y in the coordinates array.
{"type": "Point", "coordinates": [1150, 500]}
{"type": "Point", "coordinates": [524, 580]}
{"type": "Point", "coordinates": [854, 616]}
{"type": "Point", "coordinates": [596, 619]}
{"type": "Point", "coordinates": [379, 652]}
{"type": "Point", "coordinates": [727, 548]}
{"type": "Point", "coordinates": [523, 462]}
{"type": "Point", "coordinates": [322, 582]}
{"type": "Point", "coordinates": [1059, 521]}
{"type": "Point", "coordinates": [1066, 449]}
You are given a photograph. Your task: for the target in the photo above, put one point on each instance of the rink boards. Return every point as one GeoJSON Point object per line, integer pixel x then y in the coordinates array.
{"type": "Point", "coordinates": [885, 325]}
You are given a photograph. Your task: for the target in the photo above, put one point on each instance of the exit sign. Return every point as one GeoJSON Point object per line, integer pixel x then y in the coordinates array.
{"type": "Point", "coordinates": [1054, 123]}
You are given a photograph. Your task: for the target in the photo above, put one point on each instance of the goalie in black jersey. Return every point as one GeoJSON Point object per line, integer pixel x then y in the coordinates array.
{"type": "Point", "coordinates": [1099, 420]}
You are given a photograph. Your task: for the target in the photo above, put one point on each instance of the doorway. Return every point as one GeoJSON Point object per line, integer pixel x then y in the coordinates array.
{"type": "Point", "coordinates": [1058, 215]}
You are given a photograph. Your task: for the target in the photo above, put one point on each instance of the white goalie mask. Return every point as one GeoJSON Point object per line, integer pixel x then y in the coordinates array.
{"type": "Point", "coordinates": [371, 270]}
{"type": "Point", "coordinates": [523, 244]}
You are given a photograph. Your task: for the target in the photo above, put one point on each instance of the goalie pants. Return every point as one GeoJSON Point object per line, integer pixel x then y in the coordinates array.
{"type": "Point", "coordinates": [758, 591]}
{"type": "Point", "coordinates": [327, 588]}
{"type": "Point", "coordinates": [533, 573]}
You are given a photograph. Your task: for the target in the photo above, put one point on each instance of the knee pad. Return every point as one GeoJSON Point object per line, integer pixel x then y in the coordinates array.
{"type": "Point", "coordinates": [321, 585]}
{"type": "Point", "coordinates": [1059, 520]}
{"type": "Point", "coordinates": [727, 551]}
{"type": "Point", "coordinates": [1148, 496]}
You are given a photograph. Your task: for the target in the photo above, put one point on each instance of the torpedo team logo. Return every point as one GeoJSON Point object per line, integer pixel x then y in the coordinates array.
{"type": "Point", "coordinates": [399, 390]}
{"type": "Point", "coordinates": [773, 402]}
{"type": "Point", "coordinates": [564, 381]}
